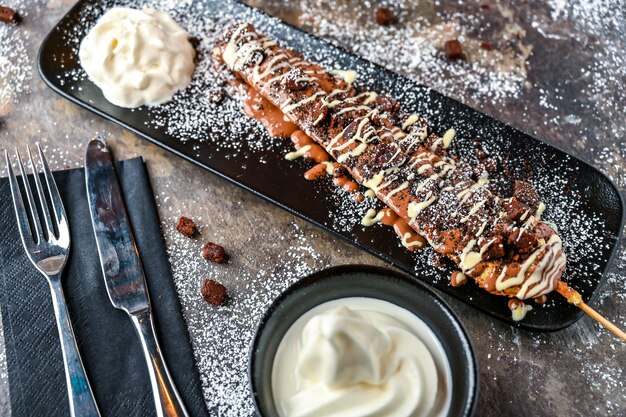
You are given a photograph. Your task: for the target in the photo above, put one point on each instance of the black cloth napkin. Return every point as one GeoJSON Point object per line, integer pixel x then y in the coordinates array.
{"type": "Point", "coordinates": [108, 344]}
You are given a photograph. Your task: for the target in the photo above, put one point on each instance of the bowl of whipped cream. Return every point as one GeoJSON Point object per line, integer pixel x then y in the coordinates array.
{"type": "Point", "coordinates": [360, 341]}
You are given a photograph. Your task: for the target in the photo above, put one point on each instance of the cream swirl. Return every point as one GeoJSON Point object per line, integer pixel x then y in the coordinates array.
{"type": "Point", "coordinates": [137, 57]}
{"type": "Point", "coordinates": [358, 363]}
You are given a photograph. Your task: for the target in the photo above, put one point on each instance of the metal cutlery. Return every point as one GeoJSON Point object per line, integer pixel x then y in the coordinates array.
{"type": "Point", "coordinates": [47, 244]}
{"type": "Point", "coordinates": [123, 271]}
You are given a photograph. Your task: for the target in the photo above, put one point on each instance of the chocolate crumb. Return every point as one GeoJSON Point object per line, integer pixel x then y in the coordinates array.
{"type": "Point", "coordinates": [186, 226]}
{"type": "Point", "coordinates": [384, 16]}
{"type": "Point", "coordinates": [213, 292]}
{"type": "Point", "coordinates": [216, 95]}
{"type": "Point", "coordinates": [8, 15]}
{"type": "Point", "coordinates": [453, 49]}
{"type": "Point", "coordinates": [339, 172]}
{"type": "Point", "coordinates": [214, 253]}
{"type": "Point", "coordinates": [485, 6]}
{"type": "Point", "coordinates": [487, 46]}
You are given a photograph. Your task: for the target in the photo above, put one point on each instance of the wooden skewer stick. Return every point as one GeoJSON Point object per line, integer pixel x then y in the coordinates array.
{"type": "Point", "coordinates": [573, 297]}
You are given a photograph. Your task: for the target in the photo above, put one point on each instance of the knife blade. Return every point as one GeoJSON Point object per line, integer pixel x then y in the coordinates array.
{"type": "Point", "coordinates": [119, 258]}
{"type": "Point", "coordinates": [123, 272]}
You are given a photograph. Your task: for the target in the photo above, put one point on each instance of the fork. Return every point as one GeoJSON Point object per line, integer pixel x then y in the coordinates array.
{"type": "Point", "coordinates": [47, 245]}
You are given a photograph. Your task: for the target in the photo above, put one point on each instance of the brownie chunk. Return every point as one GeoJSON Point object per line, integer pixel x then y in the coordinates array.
{"type": "Point", "coordinates": [8, 15]}
{"type": "Point", "coordinates": [384, 16]}
{"type": "Point", "coordinates": [453, 49]}
{"type": "Point", "coordinates": [186, 226]}
{"type": "Point", "coordinates": [214, 253]}
{"type": "Point", "coordinates": [522, 240]}
{"type": "Point", "coordinates": [526, 193]}
{"type": "Point", "coordinates": [213, 292]}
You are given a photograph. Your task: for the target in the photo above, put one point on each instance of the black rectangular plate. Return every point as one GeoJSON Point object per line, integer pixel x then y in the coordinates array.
{"type": "Point", "coordinates": [584, 204]}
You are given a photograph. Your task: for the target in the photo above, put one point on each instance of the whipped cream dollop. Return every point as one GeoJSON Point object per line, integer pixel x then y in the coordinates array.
{"type": "Point", "coordinates": [360, 357]}
{"type": "Point", "coordinates": [137, 57]}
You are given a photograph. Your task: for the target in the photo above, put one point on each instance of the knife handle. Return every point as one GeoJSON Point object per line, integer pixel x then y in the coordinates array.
{"type": "Point", "coordinates": [166, 397]}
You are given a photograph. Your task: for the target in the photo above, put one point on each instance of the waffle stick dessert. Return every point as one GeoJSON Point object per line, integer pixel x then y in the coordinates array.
{"type": "Point", "coordinates": [501, 243]}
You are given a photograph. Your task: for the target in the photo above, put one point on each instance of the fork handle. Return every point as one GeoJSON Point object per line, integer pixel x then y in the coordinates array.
{"type": "Point", "coordinates": [82, 401]}
{"type": "Point", "coordinates": [166, 398]}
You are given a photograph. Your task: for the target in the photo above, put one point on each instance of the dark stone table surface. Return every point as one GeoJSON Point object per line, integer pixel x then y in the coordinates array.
{"type": "Point", "coordinates": [557, 70]}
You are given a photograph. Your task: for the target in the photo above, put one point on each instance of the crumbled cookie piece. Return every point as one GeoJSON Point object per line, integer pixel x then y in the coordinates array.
{"type": "Point", "coordinates": [384, 16]}
{"type": "Point", "coordinates": [186, 226]}
{"type": "Point", "coordinates": [213, 292]}
{"type": "Point", "coordinates": [214, 253]}
{"type": "Point", "coordinates": [453, 49]}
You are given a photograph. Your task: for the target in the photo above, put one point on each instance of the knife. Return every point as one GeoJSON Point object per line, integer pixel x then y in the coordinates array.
{"type": "Point", "coordinates": [123, 273]}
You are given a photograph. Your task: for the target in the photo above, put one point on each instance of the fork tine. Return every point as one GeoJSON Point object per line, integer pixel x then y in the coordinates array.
{"type": "Point", "coordinates": [36, 223]}
{"type": "Point", "coordinates": [42, 199]}
{"type": "Point", "coordinates": [55, 199]}
{"type": "Point", "coordinates": [18, 204]}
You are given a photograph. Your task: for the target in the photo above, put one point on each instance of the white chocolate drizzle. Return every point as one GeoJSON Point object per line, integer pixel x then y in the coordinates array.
{"type": "Point", "coordinates": [230, 54]}
{"type": "Point", "coordinates": [486, 246]}
{"type": "Point", "coordinates": [330, 168]}
{"type": "Point", "coordinates": [349, 76]}
{"type": "Point", "coordinates": [396, 190]}
{"type": "Point", "coordinates": [469, 259]}
{"type": "Point", "coordinates": [405, 241]}
{"type": "Point", "coordinates": [519, 309]}
{"type": "Point", "coordinates": [473, 210]}
{"type": "Point", "coordinates": [372, 217]}
{"type": "Point", "coordinates": [544, 276]}
{"type": "Point", "coordinates": [415, 208]}
{"type": "Point", "coordinates": [448, 137]}
{"type": "Point", "coordinates": [297, 154]}
{"type": "Point", "coordinates": [287, 109]}
{"type": "Point", "coordinates": [539, 272]}
{"type": "Point", "coordinates": [410, 121]}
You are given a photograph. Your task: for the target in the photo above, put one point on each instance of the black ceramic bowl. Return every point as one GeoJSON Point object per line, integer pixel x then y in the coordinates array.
{"type": "Point", "coordinates": [363, 281]}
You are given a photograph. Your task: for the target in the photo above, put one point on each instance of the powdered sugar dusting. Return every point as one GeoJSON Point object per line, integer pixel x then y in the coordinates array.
{"type": "Point", "coordinates": [15, 64]}
{"type": "Point", "coordinates": [418, 42]}
{"type": "Point", "coordinates": [221, 336]}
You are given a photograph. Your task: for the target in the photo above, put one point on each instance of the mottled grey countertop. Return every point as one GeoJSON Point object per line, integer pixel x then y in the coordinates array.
{"type": "Point", "coordinates": [557, 71]}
